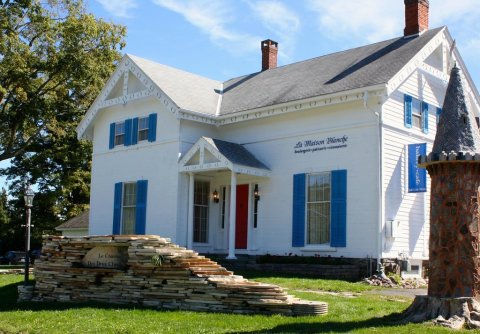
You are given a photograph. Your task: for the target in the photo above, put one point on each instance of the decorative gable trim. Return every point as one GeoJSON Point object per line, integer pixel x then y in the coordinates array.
{"type": "Point", "coordinates": [418, 62]}
{"type": "Point", "coordinates": [125, 69]}
{"type": "Point", "coordinates": [201, 147]}
{"type": "Point", "coordinates": [443, 38]}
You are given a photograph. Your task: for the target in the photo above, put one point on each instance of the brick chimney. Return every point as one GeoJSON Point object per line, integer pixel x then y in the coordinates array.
{"type": "Point", "coordinates": [269, 54]}
{"type": "Point", "coordinates": [416, 16]}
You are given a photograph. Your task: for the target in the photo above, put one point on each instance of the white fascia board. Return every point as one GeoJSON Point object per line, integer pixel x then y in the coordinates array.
{"type": "Point", "coordinates": [458, 58]}
{"type": "Point", "coordinates": [415, 63]}
{"type": "Point", "coordinates": [292, 106]}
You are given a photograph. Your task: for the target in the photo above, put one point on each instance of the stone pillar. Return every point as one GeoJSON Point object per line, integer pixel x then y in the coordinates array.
{"type": "Point", "coordinates": [232, 220]}
{"type": "Point", "coordinates": [454, 229]}
{"type": "Point", "coordinates": [191, 189]}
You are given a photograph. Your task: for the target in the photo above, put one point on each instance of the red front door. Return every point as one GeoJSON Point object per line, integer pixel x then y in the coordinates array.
{"type": "Point", "coordinates": [241, 218]}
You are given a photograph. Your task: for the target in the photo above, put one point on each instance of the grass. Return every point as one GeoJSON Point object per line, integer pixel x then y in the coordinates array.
{"type": "Point", "coordinates": [362, 312]}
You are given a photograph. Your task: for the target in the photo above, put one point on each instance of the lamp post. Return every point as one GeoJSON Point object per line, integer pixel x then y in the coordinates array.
{"type": "Point", "coordinates": [28, 197]}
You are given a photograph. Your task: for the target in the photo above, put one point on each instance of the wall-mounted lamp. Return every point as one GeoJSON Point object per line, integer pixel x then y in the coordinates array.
{"type": "Point", "coordinates": [215, 196]}
{"type": "Point", "coordinates": [256, 193]}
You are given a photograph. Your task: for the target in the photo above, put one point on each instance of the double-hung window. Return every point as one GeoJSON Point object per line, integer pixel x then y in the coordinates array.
{"type": "Point", "coordinates": [200, 211]}
{"type": "Point", "coordinates": [119, 133]}
{"type": "Point", "coordinates": [143, 128]}
{"type": "Point", "coordinates": [129, 206]}
{"type": "Point", "coordinates": [318, 208]}
{"type": "Point", "coordinates": [319, 213]}
{"type": "Point", "coordinates": [416, 113]}
{"type": "Point", "coordinates": [133, 130]}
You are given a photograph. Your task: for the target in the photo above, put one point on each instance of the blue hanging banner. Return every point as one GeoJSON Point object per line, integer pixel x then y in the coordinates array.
{"type": "Point", "coordinates": [417, 177]}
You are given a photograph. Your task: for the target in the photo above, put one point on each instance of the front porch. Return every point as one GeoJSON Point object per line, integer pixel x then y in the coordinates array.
{"type": "Point", "coordinates": [223, 196]}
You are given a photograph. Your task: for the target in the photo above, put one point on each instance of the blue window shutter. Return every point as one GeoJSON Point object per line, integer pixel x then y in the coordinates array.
{"type": "Point", "coordinates": [128, 132]}
{"type": "Point", "coordinates": [111, 143]}
{"type": "Point", "coordinates": [117, 207]}
{"type": "Point", "coordinates": [338, 219]}
{"type": "Point", "coordinates": [152, 127]}
{"type": "Point", "coordinates": [439, 112]}
{"type": "Point", "coordinates": [141, 210]}
{"type": "Point", "coordinates": [425, 117]}
{"type": "Point", "coordinates": [135, 131]}
{"type": "Point", "coordinates": [408, 110]}
{"type": "Point", "coordinates": [298, 215]}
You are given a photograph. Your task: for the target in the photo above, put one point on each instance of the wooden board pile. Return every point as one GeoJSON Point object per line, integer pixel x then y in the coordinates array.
{"type": "Point", "coordinates": [156, 274]}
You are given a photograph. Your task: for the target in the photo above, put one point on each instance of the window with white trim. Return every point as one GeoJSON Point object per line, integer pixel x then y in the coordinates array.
{"type": "Point", "coordinates": [318, 208]}
{"type": "Point", "coordinates": [201, 195]}
{"type": "Point", "coordinates": [416, 113]}
{"type": "Point", "coordinates": [143, 125]}
{"type": "Point", "coordinates": [119, 133]}
{"type": "Point", "coordinates": [129, 207]}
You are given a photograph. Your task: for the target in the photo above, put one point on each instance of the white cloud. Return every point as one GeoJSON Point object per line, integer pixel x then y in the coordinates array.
{"type": "Point", "coordinates": [212, 17]}
{"type": "Point", "coordinates": [279, 20]}
{"type": "Point", "coordinates": [120, 8]}
{"type": "Point", "coordinates": [444, 12]}
{"type": "Point", "coordinates": [367, 20]}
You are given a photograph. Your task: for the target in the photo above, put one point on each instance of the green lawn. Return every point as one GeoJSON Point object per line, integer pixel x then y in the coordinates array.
{"type": "Point", "coordinates": [351, 309]}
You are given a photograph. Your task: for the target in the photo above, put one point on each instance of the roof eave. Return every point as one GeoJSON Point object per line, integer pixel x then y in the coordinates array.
{"type": "Point", "coordinates": [286, 107]}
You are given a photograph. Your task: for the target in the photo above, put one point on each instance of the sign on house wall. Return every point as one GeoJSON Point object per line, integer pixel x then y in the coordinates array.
{"type": "Point", "coordinates": [417, 177]}
{"type": "Point", "coordinates": [321, 144]}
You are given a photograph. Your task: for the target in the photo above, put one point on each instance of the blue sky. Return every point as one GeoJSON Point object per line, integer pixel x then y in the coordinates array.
{"type": "Point", "coordinates": [220, 39]}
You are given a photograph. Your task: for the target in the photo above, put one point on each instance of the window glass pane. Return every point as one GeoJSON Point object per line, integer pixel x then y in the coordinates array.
{"type": "Point", "coordinates": [130, 194]}
{"type": "Point", "coordinates": [119, 133]}
{"type": "Point", "coordinates": [128, 220]}
{"type": "Point", "coordinates": [143, 129]}
{"type": "Point", "coordinates": [129, 208]}
{"type": "Point", "coordinates": [201, 195]}
{"type": "Point", "coordinates": [416, 113]}
{"type": "Point", "coordinates": [318, 209]}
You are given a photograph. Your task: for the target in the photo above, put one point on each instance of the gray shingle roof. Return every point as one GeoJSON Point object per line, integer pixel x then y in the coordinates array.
{"type": "Point", "coordinates": [457, 129]}
{"type": "Point", "coordinates": [346, 70]}
{"type": "Point", "coordinates": [189, 91]}
{"type": "Point", "coordinates": [80, 221]}
{"type": "Point", "coordinates": [355, 68]}
{"type": "Point", "coordinates": [236, 153]}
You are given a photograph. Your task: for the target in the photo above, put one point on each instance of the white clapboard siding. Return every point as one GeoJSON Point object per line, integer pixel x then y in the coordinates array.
{"type": "Point", "coordinates": [410, 209]}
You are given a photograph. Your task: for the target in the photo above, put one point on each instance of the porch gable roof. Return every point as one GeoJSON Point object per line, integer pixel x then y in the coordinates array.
{"type": "Point", "coordinates": [209, 154]}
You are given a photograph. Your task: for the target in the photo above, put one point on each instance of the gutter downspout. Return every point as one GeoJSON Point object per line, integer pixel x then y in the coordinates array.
{"type": "Point", "coordinates": [380, 269]}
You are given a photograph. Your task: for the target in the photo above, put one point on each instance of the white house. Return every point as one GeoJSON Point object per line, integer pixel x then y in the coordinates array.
{"type": "Point", "coordinates": [312, 158]}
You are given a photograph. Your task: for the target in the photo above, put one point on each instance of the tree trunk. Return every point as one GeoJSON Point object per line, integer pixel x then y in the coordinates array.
{"type": "Point", "coordinates": [454, 313]}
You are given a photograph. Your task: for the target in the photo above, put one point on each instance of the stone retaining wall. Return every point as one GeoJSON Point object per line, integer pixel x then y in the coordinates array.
{"type": "Point", "coordinates": [151, 271]}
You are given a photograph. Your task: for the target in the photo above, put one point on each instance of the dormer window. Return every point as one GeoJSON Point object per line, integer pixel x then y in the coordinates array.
{"type": "Point", "coordinates": [119, 133]}
{"type": "Point", "coordinates": [143, 128]}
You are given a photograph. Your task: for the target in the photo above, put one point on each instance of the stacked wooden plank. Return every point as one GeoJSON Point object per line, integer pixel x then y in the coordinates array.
{"type": "Point", "coordinates": [157, 273]}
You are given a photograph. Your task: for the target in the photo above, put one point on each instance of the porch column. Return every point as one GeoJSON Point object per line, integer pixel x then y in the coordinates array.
{"type": "Point", "coordinates": [233, 212]}
{"type": "Point", "coordinates": [191, 183]}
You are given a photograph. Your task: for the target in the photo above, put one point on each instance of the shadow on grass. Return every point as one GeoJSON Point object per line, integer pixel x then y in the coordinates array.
{"type": "Point", "coordinates": [8, 296]}
{"type": "Point", "coordinates": [255, 274]}
{"type": "Point", "coordinates": [382, 325]}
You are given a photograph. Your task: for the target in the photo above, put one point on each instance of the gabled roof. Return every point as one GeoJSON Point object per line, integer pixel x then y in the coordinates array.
{"type": "Point", "coordinates": [209, 154]}
{"type": "Point", "coordinates": [236, 153]}
{"type": "Point", "coordinates": [457, 129]}
{"type": "Point", "coordinates": [365, 66]}
{"type": "Point", "coordinates": [187, 90]}
{"type": "Point", "coordinates": [329, 79]}
{"type": "Point", "coordinates": [77, 222]}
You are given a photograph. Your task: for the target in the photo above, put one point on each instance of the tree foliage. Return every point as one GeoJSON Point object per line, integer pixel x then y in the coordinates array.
{"type": "Point", "coordinates": [54, 59]}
